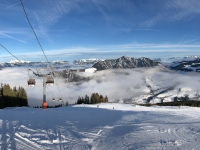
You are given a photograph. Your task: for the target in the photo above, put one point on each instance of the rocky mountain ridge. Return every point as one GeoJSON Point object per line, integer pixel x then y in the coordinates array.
{"type": "Point", "coordinates": [72, 75]}
{"type": "Point", "coordinates": [186, 66]}
{"type": "Point", "coordinates": [125, 62]}
{"type": "Point", "coordinates": [87, 61]}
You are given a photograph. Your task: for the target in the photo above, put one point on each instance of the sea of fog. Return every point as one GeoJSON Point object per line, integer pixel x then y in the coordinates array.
{"type": "Point", "coordinates": [117, 84]}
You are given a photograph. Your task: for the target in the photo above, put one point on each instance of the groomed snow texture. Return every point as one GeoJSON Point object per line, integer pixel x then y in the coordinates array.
{"type": "Point", "coordinates": [100, 127]}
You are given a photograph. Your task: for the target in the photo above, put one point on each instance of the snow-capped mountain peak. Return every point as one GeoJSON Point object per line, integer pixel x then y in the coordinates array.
{"type": "Point", "coordinates": [14, 61]}
{"type": "Point", "coordinates": [87, 61]}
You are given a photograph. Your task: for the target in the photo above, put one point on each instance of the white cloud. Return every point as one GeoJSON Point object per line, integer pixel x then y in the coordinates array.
{"type": "Point", "coordinates": [146, 14]}
{"type": "Point", "coordinates": [50, 12]}
{"type": "Point", "coordinates": [11, 37]}
{"type": "Point", "coordinates": [10, 6]}
{"type": "Point", "coordinates": [123, 15]}
{"type": "Point", "coordinates": [16, 31]}
{"type": "Point", "coordinates": [116, 84]}
{"type": "Point", "coordinates": [172, 11]}
{"type": "Point", "coordinates": [105, 51]}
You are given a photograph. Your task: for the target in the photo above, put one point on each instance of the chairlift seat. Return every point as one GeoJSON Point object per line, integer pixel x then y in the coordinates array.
{"type": "Point", "coordinates": [49, 84]}
{"type": "Point", "coordinates": [31, 82]}
{"type": "Point", "coordinates": [50, 81]}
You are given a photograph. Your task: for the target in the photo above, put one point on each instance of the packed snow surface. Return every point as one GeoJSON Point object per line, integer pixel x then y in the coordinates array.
{"type": "Point", "coordinates": [100, 127]}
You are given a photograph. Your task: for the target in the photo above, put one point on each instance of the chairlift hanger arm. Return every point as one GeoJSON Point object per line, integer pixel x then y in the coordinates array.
{"type": "Point", "coordinates": [39, 75]}
{"type": "Point", "coordinates": [28, 72]}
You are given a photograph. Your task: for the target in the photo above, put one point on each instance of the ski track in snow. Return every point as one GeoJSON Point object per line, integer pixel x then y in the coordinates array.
{"type": "Point", "coordinates": [91, 128]}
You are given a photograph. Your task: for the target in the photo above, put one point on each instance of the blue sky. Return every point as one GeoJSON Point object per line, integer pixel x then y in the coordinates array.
{"type": "Point", "coordinates": [76, 29]}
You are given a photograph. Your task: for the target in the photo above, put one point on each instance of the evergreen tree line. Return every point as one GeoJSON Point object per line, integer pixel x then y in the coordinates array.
{"type": "Point", "coordinates": [191, 103]}
{"type": "Point", "coordinates": [12, 97]}
{"type": "Point", "coordinates": [95, 98]}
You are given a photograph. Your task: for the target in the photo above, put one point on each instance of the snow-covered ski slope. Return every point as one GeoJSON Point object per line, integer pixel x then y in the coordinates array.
{"type": "Point", "coordinates": [100, 127]}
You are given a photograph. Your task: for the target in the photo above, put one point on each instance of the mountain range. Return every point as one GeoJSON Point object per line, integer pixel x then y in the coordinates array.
{"type": "Point", "coordinates": [184, 64]}
{"type": "Point", "coordinates": [125, 62]}
{"type": "Point", "coordinates": [87, 61]}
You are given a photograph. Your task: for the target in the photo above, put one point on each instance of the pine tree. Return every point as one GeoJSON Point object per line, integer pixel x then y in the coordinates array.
{"type": "Point", "coordinates": [25, 102]}
{"type": "Point", "coordinates": [92, 98]}
{"type": "Point", "coordinates": [87, 100]}
{"type": "Point", "coordinates": [1, 102]}
{"type": "Point", "coordinates": [22, 97]}
{"type": "Point", "coordinates": [106, 99]}
{"type": "Point", "coordinates": [97, 98]}
{"type": "Point", "coordinates": [14, 91]}
{"type": "Point", "coordinates": [82, 100]}
{"type": "Point", "coordinates": [1, 97]}
{"type": "Point", "coordinates": [15, 96]}
{"type": "Point", "coordinates": [7, 94]}
{"type": "Point", "coordinates": [5, 90]}
{"type": "Point", "coordinates": [79, 100]}
{"type": "Point", "coordinates": [102, 99]}
{"type": "Point", "coordinates": [1, 89]}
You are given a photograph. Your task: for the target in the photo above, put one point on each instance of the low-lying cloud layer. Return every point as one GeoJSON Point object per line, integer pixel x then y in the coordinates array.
{"type": "Point", "coordinates": [116, 84]}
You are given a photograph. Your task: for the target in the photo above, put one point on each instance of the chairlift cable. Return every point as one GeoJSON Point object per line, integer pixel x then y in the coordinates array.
{"type": "Point", "coordinates": [38, 41]}
{"type": "Point", "coordinates": [13, 55]}
{"type": "Point", "coordinates": [21, 62]}
{"type": "Point", "coordinates": [34, 32]}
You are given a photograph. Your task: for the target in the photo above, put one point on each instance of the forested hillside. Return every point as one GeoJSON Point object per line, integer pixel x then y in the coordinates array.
{"type": "Point", "coordinates": [95, 98]}
{"type": "Point", "coordinates": [11, 97]}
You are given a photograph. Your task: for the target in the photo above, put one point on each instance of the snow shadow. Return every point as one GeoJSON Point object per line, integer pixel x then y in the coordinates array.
{"type": "Point", "coordinates": [56, 128]}
{"type": "Point", "coordinates": [94, 128]}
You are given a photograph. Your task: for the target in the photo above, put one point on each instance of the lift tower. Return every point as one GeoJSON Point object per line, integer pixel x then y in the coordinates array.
{"type": "Point", "coordinates": [47, 80]}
